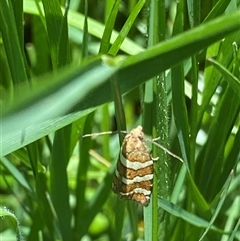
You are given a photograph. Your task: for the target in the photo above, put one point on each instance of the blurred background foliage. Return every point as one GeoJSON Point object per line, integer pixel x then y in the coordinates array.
{"type": "Point", "coordinates": [74, 67]}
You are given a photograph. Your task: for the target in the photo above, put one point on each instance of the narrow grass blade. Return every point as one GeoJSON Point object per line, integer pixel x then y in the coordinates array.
{"type": "Point", "coordinates": [85, 32]}
{"type": "Point", "coordinates": [212, 77]}
{"type": "Point", "coordinates": [11, 42]}
{"type": "Point", "coordinates": [95, 205]}
{"type": "Point", "coordinates": [45, 209]}
{"type": "Point", "coordinates": [219, 206]}
{"type": "Point", "coordinates": [109, 27]}
{"type": "Point", "coordinates": [16, 174]}
{"type": "Point", "coordinates": [233, 81]}
{"type": "Point", "coordinates": [218, 9]}
{"type": "Point", "coordinates": [81, 178]}
{"type": "Point", "coordinates": [214, 147]}
{"type": "Point", "coordinates": [59, 186]}
{"type": "Point", "coordinates": [185, 215]}
{"type": "Point", "coordinates": [54, 19]}
{"type": "Point", "coordinates": [95, 28]}
{"type": "Point", "coordinates": [126, 28]}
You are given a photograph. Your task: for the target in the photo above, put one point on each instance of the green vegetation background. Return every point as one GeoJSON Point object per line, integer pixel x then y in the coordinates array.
{"type": "Point", "coordinates": [79, 67]}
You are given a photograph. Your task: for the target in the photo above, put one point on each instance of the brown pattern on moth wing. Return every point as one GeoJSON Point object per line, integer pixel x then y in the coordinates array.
{"type": "Point", "coordinates": [146, 185]}
{"type": "Point", "coordinates": [141, 198]}
{"type": "Point", "coordinates": [134, 173]}
{"type": "Point", "coordinates": [131, 173]}
{"type": "Point", "coordinates": [134, 148]}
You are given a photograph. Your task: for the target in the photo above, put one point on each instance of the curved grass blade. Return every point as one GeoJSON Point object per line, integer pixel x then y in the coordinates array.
{"type": "Point", "coordinates": [185, 215]}
{"type": "Point", "coordinates": [24, 121]}
{"type": "Point", "coordinates": [8, 217]}
{"type": "Point", "coordinates": [233, 81]}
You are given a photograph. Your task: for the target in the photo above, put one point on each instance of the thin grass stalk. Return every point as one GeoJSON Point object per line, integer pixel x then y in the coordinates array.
{"type": "Point", "coordinates": [85, 32]}
{"type": "Point", "coordinates": [121, 125]}
{"type": "Point", "coordinates": [159, 125]}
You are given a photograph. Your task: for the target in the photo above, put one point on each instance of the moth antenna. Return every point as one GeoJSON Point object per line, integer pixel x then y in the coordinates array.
{"type": "Point", "coordinates": [100, 133]}
{"type": "Point", "coordinates": [104, 133]}
{"type": "Point", "coordinates": [153, 141]}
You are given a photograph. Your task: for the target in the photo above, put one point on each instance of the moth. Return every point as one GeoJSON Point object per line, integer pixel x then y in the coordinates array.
{"type": "Point", "coordinates": [133, 177]}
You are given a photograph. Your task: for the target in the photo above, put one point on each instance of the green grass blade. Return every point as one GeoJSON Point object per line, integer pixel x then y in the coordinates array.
{"type": "Point", "coordinates": [224, 54]}
{"type": "Point", "coordinates": [163, 56]}
{"type": "Point", "coordinates": [83, 166]}
{"type": "Point", "coordinates": [233, 81]}
{"type": "Point", "coordinates": [155, 122]}
{"type": "Point", "coordinates": [16, 174]}
{"type": "Point", "coordinates": [228, 106]}
{"type": "Point", "coordinates": [40, 62]}
{"type": "Point", "coordinates": [185, 215]}
{"type": "Point", "coordinates": [33, 154]}
{"type": "Point", "coordinates": [95, 28]}
{"type": "Point", "coordinates": [231, 158]}
{"type": "Point", "coordinates": [59, 186]}
{"type": "Point", "coordinates": [64, 90]}
{"type": "Point", "coordinates": [119, 218]}
{"type": "Point", "coordinates": [45, 212]}
{"type": "Point", "coordinates": [126, 28]}
{"type": "Point", "coordinates": [121, 125]}
{"type": "Point", "coordinates": [178, 96]}
{"type": "Point", "coordinates": [218, 9]}
{"type": "Point", "coordinates": [54, 19]}
{"type": "Point", "coordinates": [63, 40]}
{"type": "Point", "coordinates": [95, 204]}
{"type": "Point", "coordinates": [105, 43]}
{"type": "Point", "coordinates": [85, 32]}
{"type": "Point", "coordinates": [17, 8]}
{"type": "Point", "coordinates": [219, 206]}
{"type": "Point", "coordinates": [194, 12]}
{"type": "Point", "coordinates": [235, 231]}
{"type": "Point", "coordinates": [11, 42]}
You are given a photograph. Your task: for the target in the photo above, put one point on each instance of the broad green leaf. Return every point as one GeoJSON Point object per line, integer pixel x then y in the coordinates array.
{"type": "Point", "coordinates": [29, 119]}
